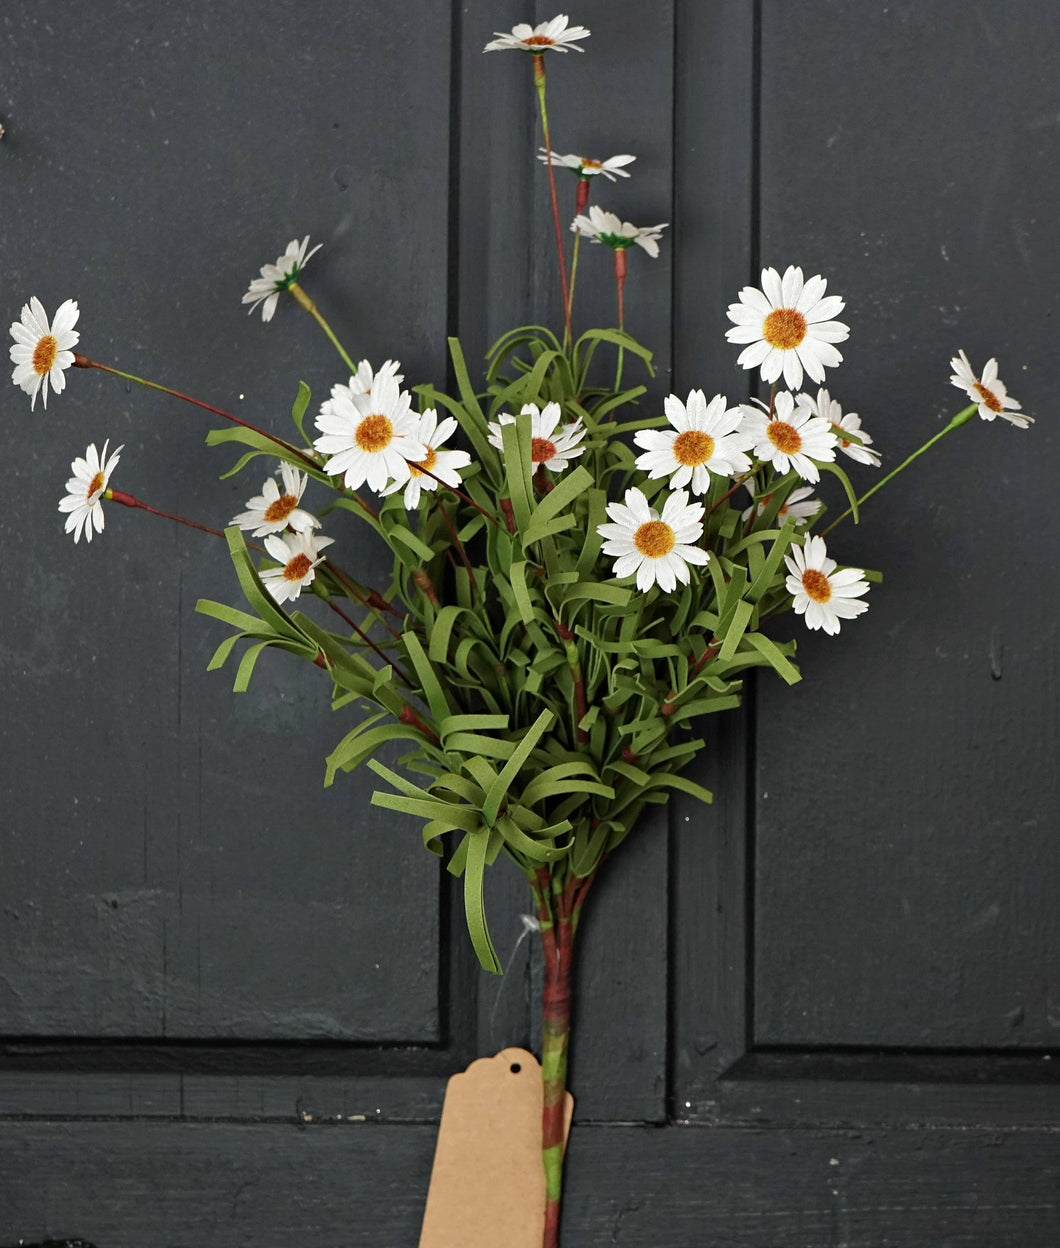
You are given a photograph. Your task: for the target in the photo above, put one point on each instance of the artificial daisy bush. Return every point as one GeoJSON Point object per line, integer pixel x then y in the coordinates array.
{"type": "Point", "coordinates": [576, 577]}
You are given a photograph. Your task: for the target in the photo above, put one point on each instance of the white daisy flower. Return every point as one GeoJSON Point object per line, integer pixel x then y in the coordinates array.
{"type": "Point", "coordinates": [362, 381]}
{"type": "Point", "coordinates": [657, 547]}
{"type": "Point", "coordinates": [42, 351]}
{"type": "Point", "coordinates": [789, 326]}
{"type": "Point", "coordinates": [824, 405]}
{"type": "Point", "coordinates": [586, 167]}
{"type": "Point", "coordinates": [794, 438]}
{"type": "Point", "coordinates": [272, 512]}
{"type": "Point", "coordinates": [443, 464]}
{"type": "Point", "coordinates": [823, 595]}
{"type": "Point", "coordinates": [553, 36]}
{"type": "Point", "coordinates": [988, 391]}
{"type": "Point", "coordinates": [276, 278]}
{"type": "Point", "coordinates": [706, 438]}
{"type": "Point", "coordinates": [605, 227]}
{"type": "Point", "coordinates": [298, 555]}
{"type": "Point", "coordinates": [798, 504]}
{"type": "Point", "coordinates": [370, 437]}
{"type": "Point", "coordinates": [548, 447]}
{"type": "Point", "coordinates": [84, 491]}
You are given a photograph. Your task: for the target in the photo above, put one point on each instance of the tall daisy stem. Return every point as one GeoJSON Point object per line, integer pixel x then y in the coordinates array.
{"type": "Point", "coordinates": [307, 303]}
{"type": "Point", "coordinates": [82, 361]}
{"type": "Point", "coordinates": [127, 500]}
{"type": "Point", "coordinates": [539, 83]}
{"type": "Point", "coordinates": [580, 201]}
{"type": "Point", "coordinates": [962, 418]}
{"type": "Point", "coordinates": [620, 286]}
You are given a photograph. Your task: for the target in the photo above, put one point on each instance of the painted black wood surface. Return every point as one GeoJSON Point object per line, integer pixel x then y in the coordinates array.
{"type": "Point", "coordinates": [825, 1011]}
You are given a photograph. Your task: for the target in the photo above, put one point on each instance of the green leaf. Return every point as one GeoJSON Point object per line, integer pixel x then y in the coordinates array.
{"type": "Point", "coordinates": [517, 467]}
{"type": "Point", "coordinates": [475, 905]}
{"type": "Point", "coordinates": [499, 789]}
{"type": "Point", "coordinates": [556, 501]}
{"type": "Point", "coordinates": [852, 497]}
{"type": "Point", "coordinates": [428, 678]}
{"type": "Point", "coordinates": [787, 671]}
{"type": "Point", "coordinates": [298, 411]}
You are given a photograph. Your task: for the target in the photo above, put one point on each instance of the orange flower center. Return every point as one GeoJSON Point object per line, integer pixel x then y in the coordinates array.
{"type": "Point", "coordinates": [816, 585]}
{"type": "Point", "coordinates": [693, 447]}
{"type": "Point", "coordinates": [297, 568]}
{"type": "Point", "coordinates": [588, 163]}
{"type": "Point", "coordinates": [97, 483]}
{"type": "Point", "coordinates": [44, 354]}
{"type": "Point", "coordinates": [784, 328]}
{"type": "Point", "coordinates": [416, 470]}
{"type": "Point", "coordinates": [281, 508]}
{"type": "Point", "coordinates": [654, 539]}
{"type": "Point", "coordinates": [785, 437]}
{"type": "Point", "coordinates": [542, 450]}
{"type": "Point", "coordinates": [539, 41]}
{"type": "Point", "coordinates": [374, 433]}
{"type": "Point", "coordinates": [988, 396]}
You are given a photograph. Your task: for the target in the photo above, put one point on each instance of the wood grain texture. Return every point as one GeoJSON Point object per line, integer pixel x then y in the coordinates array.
{"type": "Point", "coordinates": [907, 799]}
{"type": "Point", "coordinates": [347, 1186]}
{"type": "Point", "coordinates": [172, 865]}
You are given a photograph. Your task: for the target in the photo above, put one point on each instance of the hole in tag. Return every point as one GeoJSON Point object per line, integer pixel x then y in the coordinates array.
{"type": "Point", "coordinates": [515, 1068]}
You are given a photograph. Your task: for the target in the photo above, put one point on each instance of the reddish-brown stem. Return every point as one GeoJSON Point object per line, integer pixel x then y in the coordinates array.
{"type": "Point", "coordinates": [409, 716]}
{"type": "Point", "coordinates": [127, 500]}
{"type": "Point", "coordinates": [620, 283]}
{"type": "Point", "coordinates": [509, 514]}
{"type": "Point", "coordinates": [388, 662]}
{"type": "Point", "coordinates": [460, 547]}
{"type": "Point", "coordinates": [82, 361]}
{"type": "Point", "coordinates": [711, 652]}
{"type": "Point", "coordinates": [729, 493]}
{"type": "Point", "coordinates": [424, 582]}
{"type": "Point", "coordinates": [541, 481]}
{"type": "Point", "coordinates": [582, 197]}
{"type": "Point", "coordinates": [458, 492]}
{"type": "Point", "coordinates": [372, 601]}
{"type": "Point", "coordinates": [539, 83]}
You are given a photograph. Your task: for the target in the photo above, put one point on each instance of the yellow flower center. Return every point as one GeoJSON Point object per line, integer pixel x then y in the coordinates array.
{"type": "Point", "coordinates": [816, 585]}
{"type": "Point", "coordinates": [693, 447]}
{"type": "Point", "coordinates": [417, 470]}
{"type": "Point", "coordinates": [374, 433]}
{"type": "Point", "coordinates": [297, 568]}
{"type": "Point", "coordinates": [44, 354]}
{"type": "Point", "coordinates": [281, 508]}
{"type": "Point", "coordinates": [542, 450]}
{"type": "Point", "coordinates": [785, 437]}
{"type": "Point", "coordinates": [989, 398]}
{"type": "Point", "coordinates": [784, 328]}
{"type": "Point", "coordinates": [654, 539]}
{"type": "Point", "coordinates": [97, 483]}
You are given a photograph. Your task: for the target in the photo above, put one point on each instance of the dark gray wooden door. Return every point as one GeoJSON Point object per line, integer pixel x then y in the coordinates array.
{"type": "Point", "coordinates": [825, 1011]}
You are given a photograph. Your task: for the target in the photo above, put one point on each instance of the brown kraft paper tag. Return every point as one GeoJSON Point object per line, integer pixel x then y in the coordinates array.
{"type": "Point", "coordinates": [488, 1184]}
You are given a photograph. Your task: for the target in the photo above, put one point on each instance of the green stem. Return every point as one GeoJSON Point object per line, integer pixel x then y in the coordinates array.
{"type": "Point", "coordinates": [315, 313]}
{"type": "Point", "coordinates": [962, 418]}
{"type": "Point", "coordinates": [539, 83]}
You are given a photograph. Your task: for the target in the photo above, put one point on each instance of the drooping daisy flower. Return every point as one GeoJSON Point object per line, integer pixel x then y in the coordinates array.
{"type": "Point", "coordinates": [823, 595]}
{"type": "Point", "coordinates": [605, 227]}
{"type": "Point", "coordinates": [276, 278]}
{"type": "Point", "coordinates": [42, 350]}
{"type": "Point", "coordinates": [824, 405]}
{"type": "Point", "coordinates": [272, 512]}
{"type": "Point", "coordinates": [443, 464]}
{"type": "Point", "coordinates": [789, 326]}
{"type": "Point", "coordinates": [657, 547]}
{"type": "Point", "coordinates": [549, 447]}
{"type": "Point", "coordinates": [553, 36]}
{"type": "Point", "coordinates": [794, 438]}
{"type": "Point", "coordinates": [84, 491]}
{"type": "Point", "coordinates": [706, 438]}
{"type": "Point", "coordinates": [798, 505]}
{"type": "Point", "coordinates": [298, 555]}
{"type": "Point", "coordinates": [586, 167]}
{"type": "Point", "coordinates": [370, 437]}
{"type": "Point", "coordinates": [988, 391]}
